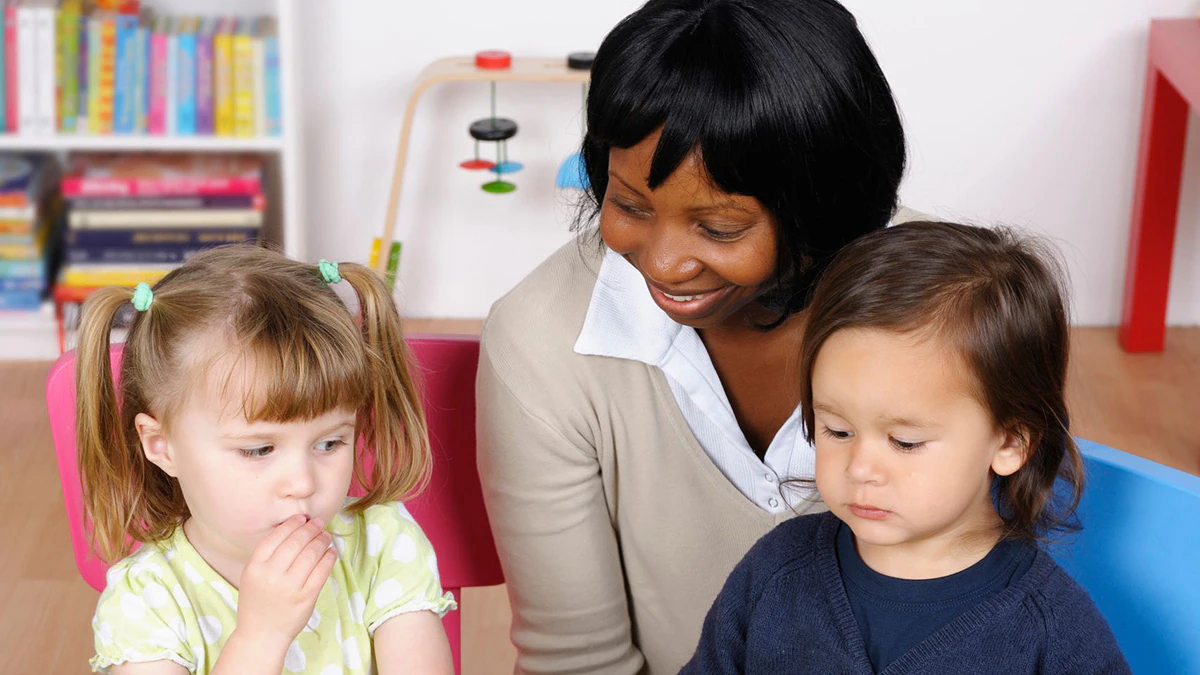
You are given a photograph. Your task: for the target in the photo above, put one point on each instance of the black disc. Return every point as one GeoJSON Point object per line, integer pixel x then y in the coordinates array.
{"type": "Point", "coordinates": [580, 60]}
{"type": "Point", "coordinates": [498, 129]}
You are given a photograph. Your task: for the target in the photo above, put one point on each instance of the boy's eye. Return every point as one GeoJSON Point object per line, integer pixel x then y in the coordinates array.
{"type": "Point", "coordinates": [261, 451]}
{"type": "Point", "coordinates": [907, 446]}
{"type": "Point", "coordinates": [330, 445]}
{"type": "Point", "coordinates": [836, 434]}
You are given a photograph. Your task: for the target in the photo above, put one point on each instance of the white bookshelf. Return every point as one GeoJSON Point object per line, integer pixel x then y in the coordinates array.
{"type": "Point", "coordinates": [34, 335]}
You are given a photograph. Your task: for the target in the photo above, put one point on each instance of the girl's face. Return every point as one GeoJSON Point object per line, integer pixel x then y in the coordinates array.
{"type": "Point", "coordinates": [905, 452]}
{"type": "Point", "coordinates": [706, 255]}
{"type": "Point", "coordinates": [241, 479]}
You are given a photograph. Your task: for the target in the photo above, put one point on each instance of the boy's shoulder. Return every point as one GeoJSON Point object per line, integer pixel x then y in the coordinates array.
{"type": "Point", "coordinates": [793, 544]}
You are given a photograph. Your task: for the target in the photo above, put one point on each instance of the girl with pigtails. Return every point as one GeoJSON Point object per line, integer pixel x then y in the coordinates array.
{"type": "Point", "coordinates": [227, 446]}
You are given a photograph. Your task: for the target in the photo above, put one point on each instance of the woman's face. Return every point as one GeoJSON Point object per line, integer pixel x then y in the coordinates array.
{"type": "Point", "coordinates": [706, 255]}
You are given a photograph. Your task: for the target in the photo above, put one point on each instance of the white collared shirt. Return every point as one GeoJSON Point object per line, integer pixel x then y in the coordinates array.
{"type": "Point", "coordinates": [624, 322]}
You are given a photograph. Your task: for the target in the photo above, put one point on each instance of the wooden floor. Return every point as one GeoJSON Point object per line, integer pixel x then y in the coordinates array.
{"type": "Point", "coordinates": [1146, 404]}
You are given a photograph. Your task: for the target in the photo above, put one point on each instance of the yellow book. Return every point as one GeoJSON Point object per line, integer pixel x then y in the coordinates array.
{"type": "Point", "coordinates": [91, 276]}
{"type": "Point", "coordinates": [106, 75]}
{"type": "Point", "coordinates": [243, 80]}
{"type": "Point", "coordinates": [223, 79]}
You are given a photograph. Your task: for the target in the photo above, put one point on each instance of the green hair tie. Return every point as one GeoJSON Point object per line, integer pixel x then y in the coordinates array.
{"type": "Point", "coordinates": [329, 271]}
{"type": "Point", "coordinates": [142, 297]}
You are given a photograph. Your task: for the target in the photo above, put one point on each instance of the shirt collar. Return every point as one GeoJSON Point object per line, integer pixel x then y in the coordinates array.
{"type": "Point", "coordinates": [622, 320]}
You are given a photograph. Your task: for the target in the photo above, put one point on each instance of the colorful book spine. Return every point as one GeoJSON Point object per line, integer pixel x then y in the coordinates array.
{"type": "Point", "coordinates": [258, 59]}
{"type": "Point", "coordinates": [156, 122]}
{"type": "Point", "coordinates": [12, 114]}
{"type": "Point", "coordinates": [106, 72]}
{"type": "Point", "coordinates": [74, 186]}
{"type": "Point", "coordinates": [204, 218]}
{"type": "Point", "coordinates": [161, 238]}
{"type": "Point", "coordinates": [95, 30]}
{"type": "Point", "coordinates": [123, 88]}
{"type": "Point", "coordinates": [3, 74]}
{"type": "Point", "coordinates": [167, 203]}
{"type": "Point", "coordinates": [242, 54]}
{"type": "Point", "coordinates": [271, 86]}
{"type": "Point", "coordinates": [205, 87]}
{"type": "Point", "coordinates": [23, 268]}
{"type": "Point", "coordinates": [111, 275]}
{"type": "Point", "coordinates": [141, 78]}
{"type": "Point", "coordinates": [68, 66]}
{"type": "Point", "coordinates": [190, 75]}
{"type": "Point", "coordinates": [26, 70]}
{"type": "Point", "coordinates": [20, 300]}
{"type": "Point", "coordinates": [223, 122]}
{"type": "Point", "coordinates": [81, 118]}
{"type": "Point", "coordinates": [22, 284]}
{"type": "Point", "coordinates": [45, 57]}
{"type": "Point", "coordinates": [171, 102]}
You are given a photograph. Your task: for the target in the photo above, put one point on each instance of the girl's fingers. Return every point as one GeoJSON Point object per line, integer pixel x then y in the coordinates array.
{"type": "Point", "coordinates": [266, 548]}
{"type": "Point", "coordinates": [320, 572]}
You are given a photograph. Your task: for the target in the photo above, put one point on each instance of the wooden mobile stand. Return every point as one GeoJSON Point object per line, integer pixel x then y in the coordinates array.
{"type": "Point", "coordinates": [486, 66]}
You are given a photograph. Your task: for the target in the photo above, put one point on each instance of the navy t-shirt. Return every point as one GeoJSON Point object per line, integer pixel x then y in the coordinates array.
{"type": "Point", "coordinates": [894, 615]}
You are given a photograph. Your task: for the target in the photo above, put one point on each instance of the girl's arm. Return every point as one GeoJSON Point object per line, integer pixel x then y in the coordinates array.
{"type": "Point", "coordinates": [413, 644]}
{"type": "Point", "coordinates": [545, 500]}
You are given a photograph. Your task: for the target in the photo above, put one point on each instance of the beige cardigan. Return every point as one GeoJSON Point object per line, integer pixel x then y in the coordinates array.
{"type": "Point", "coordinates": [615, 529]}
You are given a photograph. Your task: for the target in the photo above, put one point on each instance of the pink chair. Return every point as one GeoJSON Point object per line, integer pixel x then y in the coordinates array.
{"type": "Point", "coordinates": [450, 511]}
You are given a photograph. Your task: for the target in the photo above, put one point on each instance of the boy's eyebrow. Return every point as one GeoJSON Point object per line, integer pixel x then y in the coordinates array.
{"type": "Point", "coordinates": [886, 420]}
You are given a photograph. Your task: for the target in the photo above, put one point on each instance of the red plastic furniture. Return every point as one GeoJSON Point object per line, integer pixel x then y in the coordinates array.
{"type": "Point", "coordinates": [1172, 89]}
{"type": "Point", "coordinates": [450, 511]}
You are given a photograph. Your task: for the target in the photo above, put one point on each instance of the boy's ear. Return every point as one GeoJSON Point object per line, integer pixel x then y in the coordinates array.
{"type": "Point", "coordinates": [154, 443]}
{"type": "Point", "coordinates": [1012, 453]}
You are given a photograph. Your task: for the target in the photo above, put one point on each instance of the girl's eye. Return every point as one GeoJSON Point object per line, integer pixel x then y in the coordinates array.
{"type": "Point", "coordinates": [331, 445]}
{"type": "Point", "coordinates": [907, 446]}
{"type": "Point", "coordinates": [261, 451]}
{"type": "Point", "coordinates": [835, 434]}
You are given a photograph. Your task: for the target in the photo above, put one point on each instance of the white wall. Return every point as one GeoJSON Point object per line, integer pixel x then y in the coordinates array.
{"type": "Point", "coordinates": [1025, 112]}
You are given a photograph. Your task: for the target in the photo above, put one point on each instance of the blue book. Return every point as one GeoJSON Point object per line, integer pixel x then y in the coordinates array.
{"type": "Point", "coordinates": [20, 299]}
{"type": "Point", "coordinates": [141, 78]}
{"type": "Point", "coordinates": [159, 237]}
{"type": "Point", "coordinates": [123, 82]}
{"type": "Point", "coordinates": [22, 284]}
{"type": "Point", "coordinates": [22, 268]}
{"type": "Point", "coordinates": [81, 122]}
{"type": "Point", "coordinates": [272, 96]}
{"type": "Point", "coordinates": [186, 80]}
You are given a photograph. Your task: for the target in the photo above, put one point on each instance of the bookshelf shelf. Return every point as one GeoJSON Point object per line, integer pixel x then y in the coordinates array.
{"type": "Point", "coordinates": [135, 143]}
{"type": "Point", "coordinates": [33, 335]}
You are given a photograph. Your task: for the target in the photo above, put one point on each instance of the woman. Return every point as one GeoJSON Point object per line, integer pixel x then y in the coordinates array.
{"type": "Point", "coordinates": [637, 402]}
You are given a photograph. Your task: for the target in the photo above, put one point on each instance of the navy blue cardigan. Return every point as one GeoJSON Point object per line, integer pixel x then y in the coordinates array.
{"type": "Point", "coordinates": [784, 610]}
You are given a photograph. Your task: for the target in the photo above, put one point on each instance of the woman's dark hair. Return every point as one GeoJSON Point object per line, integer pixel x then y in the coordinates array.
{"type": "Point", "coordinates": [1000, 300]}
{"type": "Point", "coordinates": [782, 99]}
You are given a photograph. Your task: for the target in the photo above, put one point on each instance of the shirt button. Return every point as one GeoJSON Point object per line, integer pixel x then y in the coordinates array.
{"type": "Point", "coordinates": [770, 477]}
{"type": "Point", "coordinates": [773, 502]}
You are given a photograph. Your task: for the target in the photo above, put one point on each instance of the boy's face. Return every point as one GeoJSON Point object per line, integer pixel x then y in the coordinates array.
{"type": "Point", "coordinates": [905, 452]}
{"type": "Point", "coordinates": [241, 479]}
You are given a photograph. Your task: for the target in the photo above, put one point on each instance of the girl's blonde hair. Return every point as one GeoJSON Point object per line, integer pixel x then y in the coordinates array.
{"type": "Point", "coordinates": [307, 354]}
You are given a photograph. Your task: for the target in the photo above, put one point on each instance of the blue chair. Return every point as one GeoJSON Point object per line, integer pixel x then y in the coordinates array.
{"type": "Point", "coordinates": [1139, 557]}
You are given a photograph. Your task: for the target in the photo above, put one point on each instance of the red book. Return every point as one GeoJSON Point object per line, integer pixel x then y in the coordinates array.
{"type": "Point", "coordinates": [11, 112]}
{"type": "Point", "coordinates": [155, 174]}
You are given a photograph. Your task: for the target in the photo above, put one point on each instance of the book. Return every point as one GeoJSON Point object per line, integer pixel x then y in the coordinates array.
{"type": "Point", "coordinates": [188, 76]}
{"type": "Point", "coordinates": [23, 268]}
{"type": "Point", "coordinates": [223, 124]}
{"type": "Point", "coordinates": [124, 74]}
{"type": "Point", "coordinates": [68, 66]}
{"type": "Point", "coordinates": [255, 201]}
{"type": "Point", "coordinates": [25, 181]}
{"type": "Point", "coordinates": [45, 57]}
{"type": "Point", "coordinates": [92, 275]}
{"type": "Point", "coordinates": [205, 86]}
{"type": "Point", "coordinates": [160, 67]}
{"type": "Point", "coordinates": [141, 72]}
{"type": "Point", "coordinates": [26, 69]}
{"type": "Point", "coordinates": [3, 73]}
{"type": "Point", "coordinates": [105, 80]}
{"type": "Point", "coordinates": [212, 218]}
{"type": "Point", "coordinates": [22, 300]}
{"type": "Point", "coordinates": [242, 64]}
{"type": "Point", "coordinates": [81, 116]}
{"type": "Point", "coordinates": [137, 237]}
{"type": "Point", "coordinates": [162, 174]}
{"type": "Point", "coordinates": [11, 72]}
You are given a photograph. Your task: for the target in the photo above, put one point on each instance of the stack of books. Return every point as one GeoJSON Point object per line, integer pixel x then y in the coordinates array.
{"type": "Point", "coordinates": [30, 229]}
{"type": "Point", "coordinates": [135, 217]}
{"type": "Point", "coordinates": [113, 67]}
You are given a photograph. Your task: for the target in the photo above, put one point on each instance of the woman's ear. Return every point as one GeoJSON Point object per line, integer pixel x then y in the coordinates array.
{"type": "Point", "coordinates": [154, 443]}
{"type": "Point", "coordinates": [1012, 453]}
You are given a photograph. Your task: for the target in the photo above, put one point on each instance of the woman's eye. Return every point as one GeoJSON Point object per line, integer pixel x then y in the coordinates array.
{"type": "Point", "coordinates": [628, 208]}
{"type": "Point", "coordinates": [907, 446]}
{"type": "Point", "coordinates": [720, 235]}
{"type": "Point", "coordinates": [261, 451]}
{"type": "Point", "coordinates": [330, 446]}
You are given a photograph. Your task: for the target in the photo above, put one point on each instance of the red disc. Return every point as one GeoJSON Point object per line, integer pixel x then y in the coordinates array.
{"type": "Point", "coordinates": [477, 164]}
{"type": "Point", "coordinates": [493, 59]}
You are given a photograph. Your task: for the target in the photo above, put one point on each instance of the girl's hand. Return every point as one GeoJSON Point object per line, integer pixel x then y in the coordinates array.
{"type": "Point", "coordinates": [281, 581]}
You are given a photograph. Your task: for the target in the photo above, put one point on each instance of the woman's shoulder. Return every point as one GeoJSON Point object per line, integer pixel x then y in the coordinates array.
{"type": "Point", "coordinates": [550, 303]}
